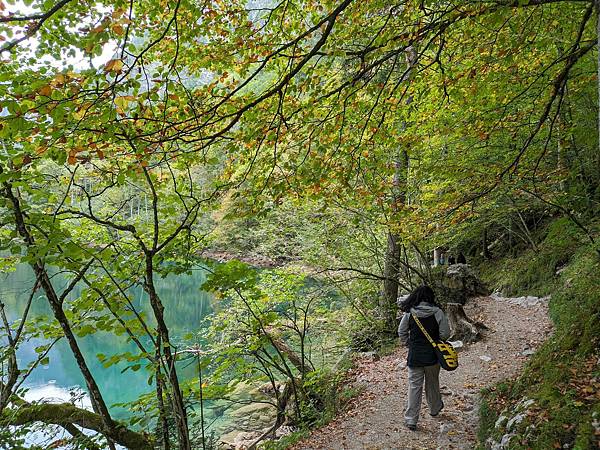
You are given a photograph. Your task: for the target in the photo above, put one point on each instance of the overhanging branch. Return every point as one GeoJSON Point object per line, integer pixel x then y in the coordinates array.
{"type": "Point", "coordinates": [67, 416]}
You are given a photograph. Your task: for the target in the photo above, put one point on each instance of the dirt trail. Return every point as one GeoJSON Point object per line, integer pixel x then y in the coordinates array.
{"type": "Point", "coordinates": [374, 419]}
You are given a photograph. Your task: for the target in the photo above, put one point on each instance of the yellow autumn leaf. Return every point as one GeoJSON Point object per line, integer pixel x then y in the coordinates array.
{"type": "Point", "coordinates": [123, 101]}
{"type": "Point", "coordinates": [59, 79]}
{"type": "Point", "coordinates": [117, 13]}
{"type": "Point", "coordinates": [78, 115]}
{"type": "Point", "coordinates": [98, 29]}
{"type": "Point", "coordinates": [46, 90]}
{"type": "Point", "coordinates": [114, 65]}
{"type": "Point", "coordinates": [118, 29]}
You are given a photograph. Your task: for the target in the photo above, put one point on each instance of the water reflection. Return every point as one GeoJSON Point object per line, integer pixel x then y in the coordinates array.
{"type": "Point", "coordinates": [185, 307]}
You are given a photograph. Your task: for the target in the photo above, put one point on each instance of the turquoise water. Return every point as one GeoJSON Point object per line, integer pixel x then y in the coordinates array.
{"type": "Point", "coordinates": [185, 308]}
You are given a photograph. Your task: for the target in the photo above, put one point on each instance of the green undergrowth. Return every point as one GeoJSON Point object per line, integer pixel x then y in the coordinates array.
{"type": "Point", "coordinates": [327, 394]}
{"type": "Point", "coordinates": [558, 393]}
{"type": "Point", "coordinates": [533, 271]}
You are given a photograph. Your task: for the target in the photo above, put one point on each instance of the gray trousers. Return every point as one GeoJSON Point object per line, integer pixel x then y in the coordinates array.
{"type": "Point", "coordinates": [431, 374]}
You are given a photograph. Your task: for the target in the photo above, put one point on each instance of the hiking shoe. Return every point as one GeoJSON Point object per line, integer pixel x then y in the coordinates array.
{"type": "Point", "coordinates": [411, 426]}
{"type": "Point", "coordinates": [440, 410]}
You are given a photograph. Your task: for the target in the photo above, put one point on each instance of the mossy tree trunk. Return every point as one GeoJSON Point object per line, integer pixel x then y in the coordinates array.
{"type": "Point", "coordinates": [67, 416]}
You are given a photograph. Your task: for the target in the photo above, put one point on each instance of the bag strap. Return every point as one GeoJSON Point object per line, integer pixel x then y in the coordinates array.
{"type": "Point", "coordinates": [431, 341]}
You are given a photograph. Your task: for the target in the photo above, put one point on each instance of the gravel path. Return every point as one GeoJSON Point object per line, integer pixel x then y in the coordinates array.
{"type": "Point", "coordinates": [374, 420]}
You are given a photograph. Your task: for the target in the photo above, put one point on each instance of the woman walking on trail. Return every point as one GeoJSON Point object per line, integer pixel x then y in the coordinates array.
{"type": "Point", "coordinates": [422, 361]}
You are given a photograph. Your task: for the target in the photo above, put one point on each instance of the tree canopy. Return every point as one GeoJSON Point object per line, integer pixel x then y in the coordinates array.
{"type": "Point", "coordinates": [128, 126]}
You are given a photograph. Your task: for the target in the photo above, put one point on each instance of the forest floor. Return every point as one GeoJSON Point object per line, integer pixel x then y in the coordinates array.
{"type": "Point", "coordinates": [374, 419]}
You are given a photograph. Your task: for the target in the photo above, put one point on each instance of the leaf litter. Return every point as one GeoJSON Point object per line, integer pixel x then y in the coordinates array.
{"type": "Point", "coordinates": [374, 419]}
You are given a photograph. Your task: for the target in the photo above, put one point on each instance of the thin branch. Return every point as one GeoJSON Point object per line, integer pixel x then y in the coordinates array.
{"type": "Point", "coordinates": [33, 29]}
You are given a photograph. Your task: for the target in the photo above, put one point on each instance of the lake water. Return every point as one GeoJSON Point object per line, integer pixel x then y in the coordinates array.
{"type": "Point", "coordinates": [185, 307]}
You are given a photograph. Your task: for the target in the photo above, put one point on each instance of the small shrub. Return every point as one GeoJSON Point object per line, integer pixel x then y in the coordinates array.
{"type": "Point", "coordinates": [324, 395]}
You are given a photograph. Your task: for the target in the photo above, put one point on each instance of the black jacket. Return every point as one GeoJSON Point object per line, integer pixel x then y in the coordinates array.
{"type": "Point", "coordinates": [420, 351]}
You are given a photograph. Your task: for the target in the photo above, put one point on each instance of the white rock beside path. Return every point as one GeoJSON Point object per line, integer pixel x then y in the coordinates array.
{"type": "Point", "coordinates": [527, 301]}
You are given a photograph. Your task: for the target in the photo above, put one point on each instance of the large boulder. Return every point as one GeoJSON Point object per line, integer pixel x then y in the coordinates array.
{"type": "Point", "coordinates": [246, 424]}
{"type": "Point", "coordinates": [249, 413]}
{"type": "Point", "coordinates": [239, 440]}
{"type": "Point", "coordinates": [255, 416]}
{"type": "Point", "coordinates": [458, 282]}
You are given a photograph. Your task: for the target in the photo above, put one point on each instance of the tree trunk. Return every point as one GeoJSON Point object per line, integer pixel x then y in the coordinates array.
{"type": "Point", "coordinates": [56, 305]}
{"type": "Point", "coordinates": [461, 327]}
{"type": "Point", "coordinates": [437, 256]}
{"type": "Point", "coordinates": [179, 410]}
{"type": "Point", "coordinates": [280, 420]}
{"type": "Point", "coordinates": [391, 272]}
{"type": "Point", "coordinates": [484, 239]}
{"type": "Point", "coordinates": [163, 425]}
{"type": "Point", "coordinates": [286, 350]}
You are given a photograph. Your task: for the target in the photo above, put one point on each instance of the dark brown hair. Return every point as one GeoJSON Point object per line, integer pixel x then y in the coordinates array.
{"type": "Point", "coordinates": [421, 294]}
